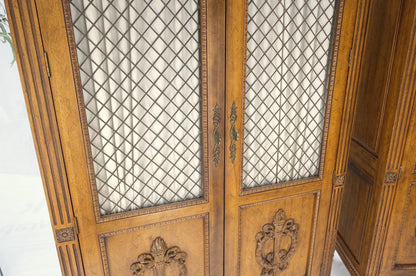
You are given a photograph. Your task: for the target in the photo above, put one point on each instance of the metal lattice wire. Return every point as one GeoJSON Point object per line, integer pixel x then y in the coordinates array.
{"type": "Point", "coordinates": [288, 47]}
{"type": "Point", "coordinates": [140, 73]}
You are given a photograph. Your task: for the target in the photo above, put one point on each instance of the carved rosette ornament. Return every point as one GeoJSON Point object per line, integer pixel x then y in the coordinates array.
{"type": "Point", "coordinates": [390, 178]}
{"type": "Point", "coordinates": [159, 257]}
{"type": "Point", "coordinates": [340, 180]}
{"type": "Point", "coordinates": [277, 260]}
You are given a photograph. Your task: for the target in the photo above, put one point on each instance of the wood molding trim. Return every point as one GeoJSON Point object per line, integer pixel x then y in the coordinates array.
{"type": "Point", "coordinates": [30, 57]}
{"type": "Point", "coordinates": [359, 19]}
{"type": "Point", "coordinates": [332, 229]}
{"type": "Point", "coordinates": [398, 266]}
{"type": "Point", "coordinates": [406, 87]}
{"type": "Point", "coordinates": [380, 232]}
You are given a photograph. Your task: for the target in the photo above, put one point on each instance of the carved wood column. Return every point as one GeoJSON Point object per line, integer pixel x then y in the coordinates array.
{"type": "Point", "coordinates": [357, 44]}
{"type": "Point", "coordinates": [32, 64]}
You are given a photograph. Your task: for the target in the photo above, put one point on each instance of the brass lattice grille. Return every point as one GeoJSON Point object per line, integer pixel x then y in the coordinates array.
{"type": "Point", "coordinates": [288, 47]}
{"type": "Point", "coordinates": [140, 73]}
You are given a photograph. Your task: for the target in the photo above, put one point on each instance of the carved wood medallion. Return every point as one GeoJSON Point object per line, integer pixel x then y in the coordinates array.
{"type": "Point", "coordinates": [65, 234]}
{"type": "Point", "coordinates": [159, 257]}
{"type": "Point", "coordinates": [340, 180]}
{"type": "Point", "coordinates": [277, 260]}
{"type": "Point", "coordinates": [390, 178]}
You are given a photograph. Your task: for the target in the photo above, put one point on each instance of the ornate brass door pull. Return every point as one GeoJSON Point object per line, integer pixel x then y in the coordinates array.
{"type": "Point", "coordinates": [233, 132]}
{"type": "Point", "coordinates": [216, 134]}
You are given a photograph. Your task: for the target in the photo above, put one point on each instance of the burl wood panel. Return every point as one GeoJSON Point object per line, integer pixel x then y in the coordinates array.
{"type": "Point", "coordinates": [189, 234]}
{"type": "Point", "coordinates": [406, 251]}
{"type": "Point", "coordinates": [301, 208]}
{"type": "Point", "coordinates": [352, 222]}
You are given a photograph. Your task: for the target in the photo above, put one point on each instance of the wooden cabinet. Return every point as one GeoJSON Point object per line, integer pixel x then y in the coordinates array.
{"type": "Point", "coordinates": [376, 234]}
{"type": "Point", "coordinates": [201, 137]}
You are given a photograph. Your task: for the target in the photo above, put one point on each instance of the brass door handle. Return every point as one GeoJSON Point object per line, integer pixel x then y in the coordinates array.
{"type": "Point", "coordinates": [216, 134]}
{"type": "Point", "coordinates": [233, 132]}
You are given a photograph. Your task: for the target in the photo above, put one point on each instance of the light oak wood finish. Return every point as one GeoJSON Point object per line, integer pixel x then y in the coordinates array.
{"type": "Point", "coordinates": [246, 211]}
{"type": "Point", "coordinates": [216, 240]}
{"type": "Point", "coordinates": [28, 42]}
{"type": "Point", "coordinates": [372, 224]}
{"type": "Point", "coordinates": [38, 27]}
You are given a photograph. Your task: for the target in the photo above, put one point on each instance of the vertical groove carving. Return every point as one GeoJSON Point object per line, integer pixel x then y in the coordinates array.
{"type": "Point", "coordinates": [399, 235]}
{"type": "Point", "coordinates": [384, 210]}
{"type": "Point", "coordinates": [333, 223]}
{"type": "Point", "coordinates": [28, 44]}
{"type": "Point", "coordinates": [347, 119]}
{"type": "Point", "coordinates": [277, 260]}
{"type": "Point", "coordinates": [396, 148]}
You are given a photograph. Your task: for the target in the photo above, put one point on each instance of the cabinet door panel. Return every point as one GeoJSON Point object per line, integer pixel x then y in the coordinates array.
{"type": "Point", "coordinates": [137, 91]}
{"type": "Point", "coordinates": [189, 236]}
{"type": "Point", "coordinates": [283, 117]}
{"type": "Point", "coordinates": [294, 214]}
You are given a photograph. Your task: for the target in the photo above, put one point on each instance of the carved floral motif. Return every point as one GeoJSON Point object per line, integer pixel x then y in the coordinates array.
{"type": "Point", "coordinates": [277, 260]}
{"type": "Point", "coordinates": [390, 178]}
{"type": "Point", "coordinates": [340, 180]}
{"type": "Point", "coordinates": [159, 257]}
{"type": "Point", "coordinates": [65, 234]}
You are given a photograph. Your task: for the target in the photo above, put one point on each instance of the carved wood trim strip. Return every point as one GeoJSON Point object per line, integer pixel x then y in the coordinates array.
{"type": "Point", "coordinates": [348, 112]}
{"type": "Point", "coordinates": [332, 229]}
{"type": "Point", "coordinates": [347, 122]}
{"type": "Point", "coordinates": [314, 224]}
{"type": "Point", "coordinates": [405, 105]}
{"type": "Point", "coordinates": [204, 121]}
{"type": "Point", "coordinates": [28, 45]}
{"type": "Point", "coordinates": [159, 257]}
{"type": "Point", "coordinates": [396, 266]}
{"type": "Point", "coordinates": [277, 260]}
{"type": "Point", "coordinates": [397, 142]}
{"type": "Point", "coordinates": [102, 238]}
{"type": "Point", "coordinates": [69, 258]}
{"type": "Point", "coordinates": [383, 218]}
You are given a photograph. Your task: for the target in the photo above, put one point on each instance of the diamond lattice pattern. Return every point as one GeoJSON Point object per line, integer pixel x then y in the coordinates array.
{"type": "Point", "coordinates": [140, 72]}
{"type": "Point", "coordinates": [288, 47]}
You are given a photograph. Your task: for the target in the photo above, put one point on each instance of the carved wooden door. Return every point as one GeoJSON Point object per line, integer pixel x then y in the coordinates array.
{"type": "Point", "coordinates": [132, 95]}
{"type": "Point", "coordinates": [142, 139]}
{"type": "Point", "coordinates": [287, 66]}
